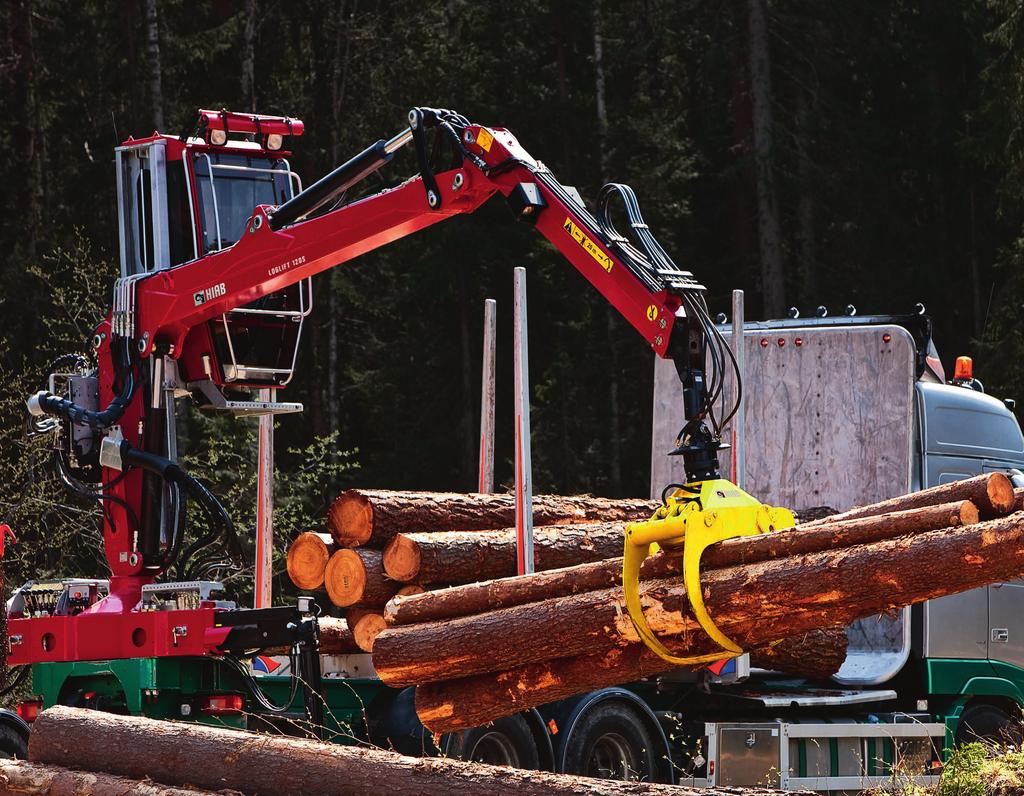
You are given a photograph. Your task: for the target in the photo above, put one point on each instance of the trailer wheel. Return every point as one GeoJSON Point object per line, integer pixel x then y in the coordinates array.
{"type": "Point", "coordinates": [612, 742]}
{"type": "Point", "coordinates": [989, 724]}
{"type": "Point", "coordinates": [12, 744]}
{"type": "Point", "coordinates": [506, 742]}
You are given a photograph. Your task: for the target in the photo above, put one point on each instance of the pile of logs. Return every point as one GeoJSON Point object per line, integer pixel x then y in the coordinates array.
{"type": "Point", "coordinates": [480, 644]}
{"type": "Point", "coordinates": [75, 751]}
{"type": "Point", "coordinates": [384, 544]}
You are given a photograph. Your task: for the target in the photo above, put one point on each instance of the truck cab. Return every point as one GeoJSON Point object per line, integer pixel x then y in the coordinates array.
{"type": "Point", "coordinates": [841, 412]}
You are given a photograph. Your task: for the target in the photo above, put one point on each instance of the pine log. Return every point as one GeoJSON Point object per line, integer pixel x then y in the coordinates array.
{"type": "Point", "coordinates": [469, 556]}
{"type": "Point", "coordinates": [409, 589]}
{"type": "Point", "coordinates": [992, 493]}
{"type": "Point", "coordinates": [268, 765]}
{"type": "Point", "coordinates": [1018, 499]}
{"type": "Point", "coordinates": [357, 577]}
{"type": "Point", "coordinates": [854, 583]}
{"type": "Point", "coordinates": [816, 655]}
{"type": "Point", "coordinates": [488, 596]}
{"type": "Point", "coordinates": [336, 638]}
{"type": "Point", "coordinates": [366, 625]}
{"type": "Point", "coordinates": [375, 516]}
{"type": "Point", "coordinates": [307, 559]}
{"type": "Point", "coordinates": [865, 579]}
{"type": "Point", "coordinates": [21, 778]}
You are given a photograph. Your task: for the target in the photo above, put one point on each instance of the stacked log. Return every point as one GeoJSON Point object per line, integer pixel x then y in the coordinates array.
{"type": "Point", "coordinates": [188, 754]}
{"type": "Point", "coordinates": [373, 517]}
{"type": "Point", "coordinates": [381, 541]}
{"type": "Point", "coordinates": [489, 650]}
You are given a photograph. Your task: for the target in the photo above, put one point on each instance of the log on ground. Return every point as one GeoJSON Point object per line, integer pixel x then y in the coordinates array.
{"type": "Point", "coordinates": [992, 493]}
{"type": "Point", "coordinates": [469, 556]}
{"type": "Point", "coordinates": [307, 559]}
{"type": "Point", "coordinates": [490, 595]}
{"type": "Point", "coordinates": [354, 577]}
{"type": "Point", "coordinates": [21, 778]}
{"type": "Point", "coordinates": [375, 516]}
{"type": "Point", "coordinates": [865, 579]}
{"type": "Point", "coordinates": [261, 765]}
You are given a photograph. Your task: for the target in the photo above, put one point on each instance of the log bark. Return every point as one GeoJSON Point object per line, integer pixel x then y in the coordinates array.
{"type": "Point", "coordinates": [366, 625]}
{"type": "Point", "coordinates": [816, 655]}
{"type": "Point", "coordinates": [265, 765]}
{"type": "Point", "coordinates": [307, 559]}
{"type": "Point", "coordinates": [864, 580]}
{"type": "Point", "coordinates": [33, 779]}
{"type": "Point", "coordinates": [469, 556]}
{"type": "Point", "coordinates": [488, 596]}
{"type": "Point", "coordinates": [992, 493]}
{"type": "Point", "coordinates": [375, 516]}
{"type": "Point", "coordinates": [335, 639]}
{"type": "Point", "coordinates": [355, 577]}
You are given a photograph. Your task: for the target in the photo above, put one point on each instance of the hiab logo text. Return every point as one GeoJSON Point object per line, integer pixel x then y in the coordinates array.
{"type": "Point", "coordinates": [202, 296]}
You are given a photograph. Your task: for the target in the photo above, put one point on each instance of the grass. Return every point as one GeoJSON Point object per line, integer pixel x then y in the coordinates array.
{"type": "Point", "coordinates": [974, 769]}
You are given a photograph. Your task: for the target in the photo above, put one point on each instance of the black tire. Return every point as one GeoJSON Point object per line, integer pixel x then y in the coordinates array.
{"type": "Point", "coordinates": [989, 724]}
{"type": "Point", "coordinates": [506, 742]}
{"type": "Point", "coordinates": [12, 743]}
{"type": "Point", "coordinates": [610, 741]}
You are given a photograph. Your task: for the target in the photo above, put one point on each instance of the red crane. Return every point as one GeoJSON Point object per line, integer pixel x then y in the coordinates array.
{"type": "Point", "coordinates": [218, 244]}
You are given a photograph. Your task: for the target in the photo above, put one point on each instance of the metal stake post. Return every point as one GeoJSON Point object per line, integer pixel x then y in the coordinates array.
{"type": "Point", "coordinates": [486, 480]}
{"type": "Point", "coordinates": [265, 506]}
{"type": "Point", "coordinates": [739, 447]}
{"type": "Point", "coordinates": [524, 477]}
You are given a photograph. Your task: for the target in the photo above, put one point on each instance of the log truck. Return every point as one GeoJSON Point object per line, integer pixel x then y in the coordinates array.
{"type": "Point", "coordinates": [218, 246]}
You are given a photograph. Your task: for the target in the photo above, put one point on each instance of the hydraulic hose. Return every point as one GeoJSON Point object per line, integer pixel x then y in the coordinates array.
{"type": "Point", "coordinates": [45, 402]}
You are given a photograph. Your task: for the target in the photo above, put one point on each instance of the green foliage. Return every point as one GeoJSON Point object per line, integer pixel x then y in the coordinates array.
{"type": "Point", "coordinates": [897, 158]}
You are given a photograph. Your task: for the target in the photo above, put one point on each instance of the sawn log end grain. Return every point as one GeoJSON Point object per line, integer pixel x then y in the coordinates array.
{"type": "Point", "coordinates": [307, 559]}
{"type": "Point", "coordinates": [350, 519]}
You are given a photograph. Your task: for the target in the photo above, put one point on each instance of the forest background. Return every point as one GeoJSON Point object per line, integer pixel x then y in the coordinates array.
{"type": "Point", "coordinates": [811, 153]}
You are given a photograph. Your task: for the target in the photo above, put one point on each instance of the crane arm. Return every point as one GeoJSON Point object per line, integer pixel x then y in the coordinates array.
{"type": "Point", "coordinates": [282, 246]}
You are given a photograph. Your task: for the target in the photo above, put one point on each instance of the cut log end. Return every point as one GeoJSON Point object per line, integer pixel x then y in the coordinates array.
{"type": "Point", "coordinates": [402, 559]}
{"type": "Point", "coordinates": [351, 519]}
{"type": "Point", "coordinates": [345, 578]}
{"type": "Point", "coordinates": [999, 489]}
{"type": "Point", "coordinates": [410, 590]}
{"type": "Point", "coordinates": [366, 626]}
{"type": "Point", "coordinates": [307, 559]}
{"type": "Point", "coordinates": [968, 513]}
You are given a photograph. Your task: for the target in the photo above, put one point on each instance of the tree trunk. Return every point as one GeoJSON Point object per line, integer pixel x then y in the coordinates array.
{"type": "Point", "coordinates": [354, 577]}
{"type": "Point", "coordinates": [307, 559]}
{"type": "Point", "coordinates": [469, 556]}
{"type": "Point", "coordinates": [266, 765]}
{"type": "Point", "coordinates": [992, 493]}
{"type": "Point", "coordinates": [768, 226]}
{"type": "Point", "coordinates": [27, 130]}
{"type": "Point", "coordinates": [335, 639]}
{"type": "Point", "coordinates": [807, 249]}
{"type": "Point", "coordinates": [21, 778]}
{"type": "Point", "coordinates": [768, 601]}
{"type": "Point", "coordinates": [375, 516]}
{"type": "Point", "coordinates": [816, 655]}
{"type": "Point", "coordinates": [864, 580]}
{"type": "Point", "coordinates": [480, 597]}
{"type": "Point", "coordinates": [614, 453]}
{"type": "Point", "coordinates": [156, 92]}
{"type": "Point", "coordinates": [249, 56]}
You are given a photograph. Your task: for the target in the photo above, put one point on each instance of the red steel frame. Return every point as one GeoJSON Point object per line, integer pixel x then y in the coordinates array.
{"type": "Point", "coordinates": [264, 262]}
